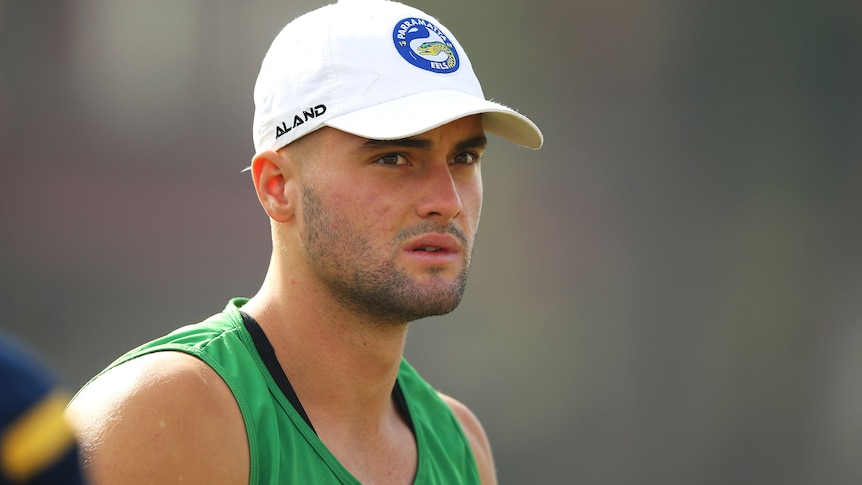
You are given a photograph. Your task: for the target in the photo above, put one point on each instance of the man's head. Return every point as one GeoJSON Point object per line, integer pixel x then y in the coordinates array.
{"type": "Point", "coordinates": [377, 69]}
{"type": "Point", "coordinates": [369, 127]}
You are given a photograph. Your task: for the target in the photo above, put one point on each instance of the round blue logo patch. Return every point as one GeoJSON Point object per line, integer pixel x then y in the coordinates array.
{"type": "Point", "coordinates": [424, 45]}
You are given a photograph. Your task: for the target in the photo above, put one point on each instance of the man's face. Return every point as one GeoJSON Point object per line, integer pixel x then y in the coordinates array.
{"type": "Point", "coordinates": [388, 226]}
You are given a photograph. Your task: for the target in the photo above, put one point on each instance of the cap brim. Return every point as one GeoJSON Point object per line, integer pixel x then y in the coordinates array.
{"type": "Point", "coordinates": [411, 115]}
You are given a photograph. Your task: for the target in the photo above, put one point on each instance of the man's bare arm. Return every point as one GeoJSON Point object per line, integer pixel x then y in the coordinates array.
{"type": "Point", "coordinates": [162, 418]}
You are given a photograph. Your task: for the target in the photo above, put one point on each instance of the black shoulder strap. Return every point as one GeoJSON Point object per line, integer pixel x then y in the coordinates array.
{"type": "Point", "coordinates": [267, 354]}
{"type": "Point", "coordinates": [401, 405]}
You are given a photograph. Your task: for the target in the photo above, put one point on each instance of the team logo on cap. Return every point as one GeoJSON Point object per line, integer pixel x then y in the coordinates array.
{"type": "Point", "coordinates": [424, 45]}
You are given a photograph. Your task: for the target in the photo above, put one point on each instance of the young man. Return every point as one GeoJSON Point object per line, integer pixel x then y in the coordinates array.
{"type": "Point", "coordinates": [369, 127]}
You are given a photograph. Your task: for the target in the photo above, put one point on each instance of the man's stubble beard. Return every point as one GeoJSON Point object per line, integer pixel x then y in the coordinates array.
{"type": "Point", "coordinates": [338, 253]}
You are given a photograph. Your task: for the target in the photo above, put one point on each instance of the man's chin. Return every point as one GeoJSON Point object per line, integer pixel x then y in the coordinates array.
{"type": "Point", "coordinates": [424, 302]}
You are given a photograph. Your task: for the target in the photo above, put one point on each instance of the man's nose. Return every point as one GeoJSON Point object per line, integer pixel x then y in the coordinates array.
{"type": "Point", "coordinates": [440, 197]}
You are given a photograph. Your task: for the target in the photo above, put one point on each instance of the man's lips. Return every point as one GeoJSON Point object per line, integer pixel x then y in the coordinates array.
{"type": "Point", "coordinates": [434, 243]}
{"type": "Point", "coordinates": [434, 248]}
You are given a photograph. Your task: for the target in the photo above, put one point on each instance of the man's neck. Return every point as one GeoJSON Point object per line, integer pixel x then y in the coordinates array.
{"type": "Point", "coordinates": [342, 366]}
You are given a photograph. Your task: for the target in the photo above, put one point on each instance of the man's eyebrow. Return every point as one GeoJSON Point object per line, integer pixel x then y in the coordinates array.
{"type": "Point", "coordinates": [370, 145]}
{"type": "Point", "coordinates": [480, 141]}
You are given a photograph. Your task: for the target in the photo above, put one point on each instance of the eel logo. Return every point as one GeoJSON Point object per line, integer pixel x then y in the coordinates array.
{"type": "Point", "coordinates": [425, 45]}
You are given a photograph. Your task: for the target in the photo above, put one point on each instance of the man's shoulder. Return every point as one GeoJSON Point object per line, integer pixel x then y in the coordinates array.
{"type": "Point", "coordinates": [476, 435]}
{"type": "Point", "coordinates": [159, 383]}
{"type": "Point", "coordinates": [158, 413]}
{"type": "Point", "coordinates": [151, 373]}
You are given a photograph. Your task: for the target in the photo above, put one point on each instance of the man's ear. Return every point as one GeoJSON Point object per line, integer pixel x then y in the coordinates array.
{"type": "Point", "coordinates": [274, 178]}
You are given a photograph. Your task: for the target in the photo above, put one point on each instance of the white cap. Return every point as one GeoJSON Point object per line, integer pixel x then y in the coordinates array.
{"type": "Point", "coordinates": [377, 69]}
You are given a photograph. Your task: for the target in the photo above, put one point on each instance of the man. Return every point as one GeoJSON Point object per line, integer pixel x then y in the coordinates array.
{"type": "Point", "coordinates": [368, 129]}
{"type": "Point", "coordinates": [37, 446]}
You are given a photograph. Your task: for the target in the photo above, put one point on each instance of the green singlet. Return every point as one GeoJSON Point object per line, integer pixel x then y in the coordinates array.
{"type": "Point", "coordinates": [283, 447]}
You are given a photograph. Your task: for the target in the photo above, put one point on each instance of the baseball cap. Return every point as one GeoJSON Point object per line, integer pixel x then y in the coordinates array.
{"type": "Point", "coordinates": [377, 69]}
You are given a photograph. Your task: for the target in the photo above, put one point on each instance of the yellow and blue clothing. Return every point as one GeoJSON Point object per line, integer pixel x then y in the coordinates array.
{"type": "Point", "coordinates": [37, 446]}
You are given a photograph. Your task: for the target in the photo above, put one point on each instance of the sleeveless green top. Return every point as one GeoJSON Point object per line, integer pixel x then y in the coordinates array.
{"type": "Point", "coordinates": [283, 448]}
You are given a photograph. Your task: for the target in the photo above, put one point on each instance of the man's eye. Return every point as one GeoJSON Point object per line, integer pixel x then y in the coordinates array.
{"type": "Point", "coordinates": [465, 158]}
{"type": "Point", "coordinates": [392, 159]}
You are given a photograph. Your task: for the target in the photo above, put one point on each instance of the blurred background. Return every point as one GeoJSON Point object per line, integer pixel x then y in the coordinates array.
{"type": "Point", "coordinates": [669, 292]}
